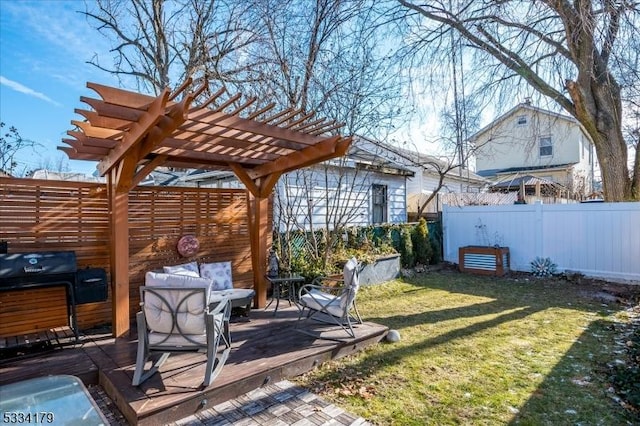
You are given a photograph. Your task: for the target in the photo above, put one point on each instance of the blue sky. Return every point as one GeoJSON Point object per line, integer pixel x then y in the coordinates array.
{"type": "Point", "coordinates": [44, 47]}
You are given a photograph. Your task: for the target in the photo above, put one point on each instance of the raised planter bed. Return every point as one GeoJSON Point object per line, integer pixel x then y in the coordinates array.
{"type": "Point", "coordinates": [484, 260]}
{"type": "Point", "coordinates": [382, 269]}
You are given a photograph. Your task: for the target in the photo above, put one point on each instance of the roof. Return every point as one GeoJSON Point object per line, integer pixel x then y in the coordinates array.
{"type": "Point", "coordinates": [376, 159]}
{"type": "Point", "coordinates": [424, 161]}
{"type": "Point", "coordinates": [525, 106]}
{"type": "Point", "coordinates": [511, 170]}
{"type": "Point", "coordinates": [527, 180]}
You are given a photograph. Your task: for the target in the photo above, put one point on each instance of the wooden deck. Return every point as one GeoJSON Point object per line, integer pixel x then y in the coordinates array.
{"type": "Point", "coordinates": [265, 349]}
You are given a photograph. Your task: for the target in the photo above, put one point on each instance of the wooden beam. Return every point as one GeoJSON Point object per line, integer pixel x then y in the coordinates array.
{"type": "Point", "coordinates": [241, 173]}
{"type": "Point", "coordinates": [213, 134]}
{"type": "Point", "coordinates": [201, 119]}
{"type": "Point", "coordinates": [121, 112]}
{"type": "Point", "coordinates": [135, 134]}
{"type": "Point", "coordinates": [209, 100]}
{"type": "Point", "coordinates": [322, 151]}
{"type": "Point", "coordinates": [119, 255]}
{"type": "Point", "coordinates": [267, 183]}
{"type": "Point", "coordinates": [87, 141]}
{"type": "Point", "coordinates": [178, 150]}
{"type": "Point", "coordinates": [117, 96]}
{"type": "Point", "coordinates": [87, 149]}
{"type": "Point", "coordinates": [97, 132]}
{"type": "Point", "coordinates": [185, 84]}
{"type": "Point", "coordinates": [98, 120]}
{"type": "Point", "coordinates": [146, 169]}
{"type": "Point", "coordinates": [259, 229]}
{"type": "Point", "coordinates": [74, 155]}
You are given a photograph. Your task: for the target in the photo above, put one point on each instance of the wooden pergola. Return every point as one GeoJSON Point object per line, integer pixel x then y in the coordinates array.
{"type": "Point", "coordinates": [130, 134]}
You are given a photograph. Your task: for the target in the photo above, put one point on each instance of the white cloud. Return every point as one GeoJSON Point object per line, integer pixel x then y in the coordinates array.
{"type": "Point", "coordinates": [26, 90]}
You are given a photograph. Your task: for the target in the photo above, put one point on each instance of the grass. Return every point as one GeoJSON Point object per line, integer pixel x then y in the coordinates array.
{"type": "Point", "coordinates": [481, 350]}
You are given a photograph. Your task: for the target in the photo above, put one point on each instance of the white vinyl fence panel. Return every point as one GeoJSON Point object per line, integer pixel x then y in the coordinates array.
{"type": "Point", "coordinates": [597, 239]}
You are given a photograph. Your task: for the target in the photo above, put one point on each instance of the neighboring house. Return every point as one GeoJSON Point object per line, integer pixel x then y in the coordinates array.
{"type": "Point", "coordinates": [427, 171]}
{"type": "Point", "coordinates": [529, 141]}
{"type": "Point", "coordinates": [364, 187]}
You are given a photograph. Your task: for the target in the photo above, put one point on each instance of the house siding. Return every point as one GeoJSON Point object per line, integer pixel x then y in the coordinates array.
{"type": "Point", "coordinates": [314, 198]}
{"type": "Point", "coordinates": [507, 144]}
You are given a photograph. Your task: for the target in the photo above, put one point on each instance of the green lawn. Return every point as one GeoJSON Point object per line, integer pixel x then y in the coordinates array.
{"type": "Point", "coordinates": [481, 350]}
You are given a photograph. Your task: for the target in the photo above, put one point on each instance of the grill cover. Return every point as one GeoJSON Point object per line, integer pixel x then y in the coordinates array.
{"type": "Point", "coordinates": [29, 267]}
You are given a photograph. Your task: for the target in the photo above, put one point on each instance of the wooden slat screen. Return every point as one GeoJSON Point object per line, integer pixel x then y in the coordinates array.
{"type": "Point", "coordinates": [42, 215]}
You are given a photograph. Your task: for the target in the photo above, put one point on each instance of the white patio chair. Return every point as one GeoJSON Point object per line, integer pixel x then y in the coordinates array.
{"type": "Point", "coordinates": [177, 318]}
{"type": "Point", "coordinates": [330, 301]}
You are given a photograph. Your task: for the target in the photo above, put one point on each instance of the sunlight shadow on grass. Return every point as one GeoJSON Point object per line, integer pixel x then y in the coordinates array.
{"type": "Point", "coordinates": [569, 393]}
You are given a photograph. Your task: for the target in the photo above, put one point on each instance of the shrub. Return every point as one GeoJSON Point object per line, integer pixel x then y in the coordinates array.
{"type": "Point", "coordinates": [421, 244]}
{"type": "Point", "coordinates": [543, 267]}
{"type": "Point", "coordinates": [406, 249]}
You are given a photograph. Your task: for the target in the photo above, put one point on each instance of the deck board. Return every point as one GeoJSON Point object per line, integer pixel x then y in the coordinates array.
{"type": "Point", "coordinates": [265, 349]}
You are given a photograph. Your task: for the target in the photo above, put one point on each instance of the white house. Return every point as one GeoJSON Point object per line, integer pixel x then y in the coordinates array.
{"type": "Point", "coordinates": [364, 187]}
{"type": "Point", "coordinates": [530, 141]}
{"type": "Point", "coordinates": [427, 172]}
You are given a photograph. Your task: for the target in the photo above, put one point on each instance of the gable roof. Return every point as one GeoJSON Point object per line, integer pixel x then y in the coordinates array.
{"type": "Point", "coordinates": [426, 162]}
{"type": "Point", "coordinates": [526, 107]}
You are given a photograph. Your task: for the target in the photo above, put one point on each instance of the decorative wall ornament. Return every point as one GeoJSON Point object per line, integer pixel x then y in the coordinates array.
{"type": "Point", "coordinates": [188, 245]}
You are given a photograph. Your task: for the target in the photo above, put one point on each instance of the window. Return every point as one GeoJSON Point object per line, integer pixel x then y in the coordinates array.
{"type": "Point", "coordinates": [546, 146]}
{"type": "Point", "coordinates": [379, 204]}
{"type": "Point", "coordinates": [522, 120]}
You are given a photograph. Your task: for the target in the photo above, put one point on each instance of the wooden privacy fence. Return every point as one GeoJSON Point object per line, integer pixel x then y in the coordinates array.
{"type": "Point", "coordinates": [42, 215]}
{"type": "Point", "coordinates": [596, 239]}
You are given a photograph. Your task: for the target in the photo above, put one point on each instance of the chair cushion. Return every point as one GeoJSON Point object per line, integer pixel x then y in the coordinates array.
{"type": "Point", "coordinates": [316, 300]}
{"type": "Point", "coordinates": [190, 313]}
{"type": "Point", "coordinates": [180, 341]}
{"type": "Point", "coordinates": [238, 296]}
{"type": "Point", "coordinates": [159, 279]}
{"type": "Point", "coordinates": [219, 273]}
{"type": "Point", "coordinates": [189, 269]}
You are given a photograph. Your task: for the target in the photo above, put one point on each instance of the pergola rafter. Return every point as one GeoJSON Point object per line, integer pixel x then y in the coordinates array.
{"type": "Point", "coordinates": [130, 134]}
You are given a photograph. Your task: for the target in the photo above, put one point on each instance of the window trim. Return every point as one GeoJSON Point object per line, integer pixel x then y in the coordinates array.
{"type": "Point", "coordinates": [384, 207]}
{"type": "Point", "coordinates": [522, 120]}
{"type": "Point", "coordinates": [549, 146]}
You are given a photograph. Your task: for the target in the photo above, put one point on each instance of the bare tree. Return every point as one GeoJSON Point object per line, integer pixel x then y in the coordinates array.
{"type": "Point", "coordinates": [159, 44]}
{"type": "Point", "coordinates": [317, 204]}
{"type": "Point", "coordinates": [59, 163]}
{"type": "Point", "coordinates": [327, 57]}
{"type": "Point", "coordinates": [11, 143]}
{"type": "Point", "coordinates": [574, 53]}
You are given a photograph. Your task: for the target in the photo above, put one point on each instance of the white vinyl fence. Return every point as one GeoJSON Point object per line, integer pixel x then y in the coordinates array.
{"type": "Point", "coordinates": [597, 239]}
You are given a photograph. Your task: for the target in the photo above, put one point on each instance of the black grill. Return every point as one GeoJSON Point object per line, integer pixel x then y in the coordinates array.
{"type": "Point", "coordinates": [41, 269]}
{"type": "Point", "coordinates": [21, 269]}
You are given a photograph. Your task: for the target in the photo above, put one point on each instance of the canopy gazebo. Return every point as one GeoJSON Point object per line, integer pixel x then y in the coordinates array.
{"type": "Point", "coordinates": [130, 134]}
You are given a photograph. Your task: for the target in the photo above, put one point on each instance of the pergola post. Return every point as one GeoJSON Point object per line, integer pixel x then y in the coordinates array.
{"type": "Point", "coordinates": [259, 236]}
{"type": "Point", "coordinates": [119, 219]}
